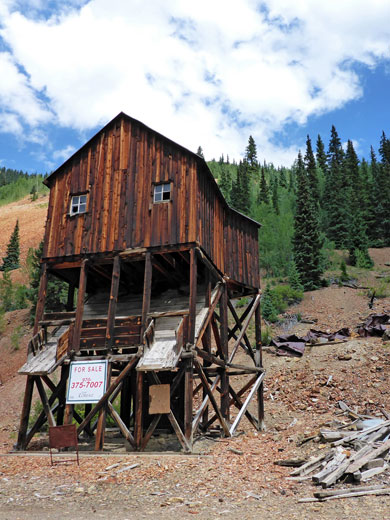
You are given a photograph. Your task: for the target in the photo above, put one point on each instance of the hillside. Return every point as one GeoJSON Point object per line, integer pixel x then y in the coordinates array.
{"type": "Point", "coordinates": [31, 216]}
{"type": "Point", "coordinates": [238, 475]}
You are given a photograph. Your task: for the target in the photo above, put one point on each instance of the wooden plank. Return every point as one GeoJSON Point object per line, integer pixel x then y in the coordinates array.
{"type": "Point", "coordinates": [246, 403]}
{"type": "Point", "coordinates": [223, 310]}
{"type": "Point", "coordinates": [80, 307]}
{"type": "Point", "coordinates": [203, 378]}
{"type": "Point", "coordinates": [122, 426]}
{"type": "Point", "coordinates": [41, 298]}
{"type": "Point", "coordinates": [116, 268]}
{"type": "Point", "coordinates": [192, 301]}
{"type": "Point", "coordinates": [138, 423]}
{"type": "Point", "coordinates": [255, 303]}
{"type": "Point", "coordinates": [45, 402]}
{"type": "Point", "coordinates": [28, 392]}
{"type": "Point", "coordinates": [146, 292]}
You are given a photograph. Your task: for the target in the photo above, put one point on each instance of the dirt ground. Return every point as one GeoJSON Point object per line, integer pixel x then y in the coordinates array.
{"type": "Point", "coordinates": [231, 478]}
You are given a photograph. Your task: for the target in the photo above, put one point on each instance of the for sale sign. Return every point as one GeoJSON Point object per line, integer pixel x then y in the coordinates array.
{"type": "Point", "coordinates": [87, 381]}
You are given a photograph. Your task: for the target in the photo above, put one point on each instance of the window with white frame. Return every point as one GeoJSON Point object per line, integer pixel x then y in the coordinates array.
{"type": "Point", "coordinates": [162, 192]}
{"type": "Point", "coordinates": [78, 204]}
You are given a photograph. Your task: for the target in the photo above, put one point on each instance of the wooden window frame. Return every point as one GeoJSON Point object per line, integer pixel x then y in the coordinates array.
{"type": "Point", "coordinates": [162, 184]}
{"type": "Point", "coordinates": [78, 204]}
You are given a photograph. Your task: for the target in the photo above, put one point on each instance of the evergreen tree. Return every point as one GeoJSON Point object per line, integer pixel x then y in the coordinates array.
{"type": "Point", "coordinates": [311, 168]}
{"type": "Point", "coordinates": [358, 252]}
{"type": "Point", "coordinates": [294, 278]}
{"type": "Point", "coordinates": [321, 155]}
{"type": "Point", "coordinates": [57, 290]}
{"type": "Point", "coordinates": [336, 199]}
{"type": "Point", "coordinates": [263, 197]}
{"type": "Point", "coordinates": [275, 197]}
{"type": "Point", "coordinates": [282, 178]}
{"type": "Point", "coordinates": [251, 153]}
{"type": "Point", "coordinates": [11, 259]}
{"type": "Point", "coordinates": [225, 183]}
{"type": "Point", "coordinates": [200, 152]}
{"type": "Point", "coordinates": [306, 240]}
{"type": "Point", "coordinates": [268, 309]}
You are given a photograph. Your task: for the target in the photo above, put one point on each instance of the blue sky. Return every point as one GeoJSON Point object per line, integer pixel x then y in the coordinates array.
{"type": "Point", "coordinates": [208, 73]}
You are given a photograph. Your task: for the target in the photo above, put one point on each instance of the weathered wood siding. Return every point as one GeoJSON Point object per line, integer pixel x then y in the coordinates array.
{"type": "Point", "coordinates": [229, 239]}
{"type": "Point", "coordinates": [118, 169]}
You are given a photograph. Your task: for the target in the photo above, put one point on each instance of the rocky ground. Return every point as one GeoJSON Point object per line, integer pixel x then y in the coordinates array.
{"type": "Point", "coordinates": [231, 478]}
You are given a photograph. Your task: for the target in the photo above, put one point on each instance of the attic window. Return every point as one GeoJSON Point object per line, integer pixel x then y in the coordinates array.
{"type": "Point", "coordinates": [162, 192]}
{"type": "Point", "coordinates": [78, 204]}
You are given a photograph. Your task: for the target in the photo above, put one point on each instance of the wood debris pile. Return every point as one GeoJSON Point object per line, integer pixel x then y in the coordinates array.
{"type": "Point", "coordinates": [354, 456]}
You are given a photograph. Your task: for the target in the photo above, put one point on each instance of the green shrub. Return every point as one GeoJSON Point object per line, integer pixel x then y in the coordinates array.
{"type": "Point", "coordinates": [362, 259]}
{"type": "Point", "coordinates": [15, 337]}
{"type": "Point", "coordinates": [266, 335]}
{"type": "Point", "coordinates": [2, 322]}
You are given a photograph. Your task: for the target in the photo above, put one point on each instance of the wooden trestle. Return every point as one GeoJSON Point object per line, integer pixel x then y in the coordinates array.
{"type": "Point", "coordinates": [206, 346]}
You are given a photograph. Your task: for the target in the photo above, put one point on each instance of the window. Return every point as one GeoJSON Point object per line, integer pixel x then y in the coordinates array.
{"type": "Point", "coordinates": [78, 204]}
{"type": "Point", "coordinates": [162, 192]}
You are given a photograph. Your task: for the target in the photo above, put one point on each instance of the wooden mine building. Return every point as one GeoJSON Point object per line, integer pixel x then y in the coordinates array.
{"type": "Point", "coordinates": [137, 224]}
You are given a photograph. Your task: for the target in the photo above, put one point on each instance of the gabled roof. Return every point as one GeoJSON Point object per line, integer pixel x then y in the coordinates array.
{"type": "Point", "coordinates": [197, 157]}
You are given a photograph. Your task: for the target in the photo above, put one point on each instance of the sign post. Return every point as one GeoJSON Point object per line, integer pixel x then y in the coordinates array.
{"type": "Point", "coordinates": [87, 381]}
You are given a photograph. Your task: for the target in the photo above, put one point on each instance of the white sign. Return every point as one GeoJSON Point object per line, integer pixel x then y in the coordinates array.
{"type": "Point", "coordinates": [87, 381]}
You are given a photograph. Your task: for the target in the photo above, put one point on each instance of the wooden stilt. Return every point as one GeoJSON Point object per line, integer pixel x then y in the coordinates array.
{"type": "Point", "coordinates": [259, 363]}
{"type": "Point", "coordinates": [62, 395]}
{"type": "Point", "coordinates": [116, 269]}
{"type": "Point", "coordinates": [138, 424]}
{"type": "Point", "coordinates": [80, 307]}
{"type": "Point", "coordinates": [188, 400]}
{"type": "Point", "coordinates": [192, 303]}
{"type": "Point", "coordinates": [45, 402]}
{"type": "Point", "coordinates": [223, 310]}
{"type": "Point", "coordinates": [21, 442]}
{"type": "Point", "coordinates": [41, 298]}
{"type": "Point", "coordinates": [147, 292]}
{"type": "Point", "coordinates": [101, 425]}
{"type": "Point", "coordinates": [68, 417]}
{"type": "Point", "coordinates": [206, 339]}
{"type": "Point", "coordinates": [125, 407]}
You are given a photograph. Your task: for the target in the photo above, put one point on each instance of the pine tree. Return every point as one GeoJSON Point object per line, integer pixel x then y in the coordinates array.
{"type": "Point", "coordinates": [268, 309]}
{"type": "Point", "coordinates": [321, 155]}
{"type": "Point", "coordinates": [200, 152]}
{"type": "Point", "coordinates": [311, 168]}
{"type": "Point", "coordinates": [251, 153]}
{"type": "Point", "coordinates": [306, 240]}
{"type": "Point", "coordinates": [294, 278]}
{"type": "Point", "coordinates": [263, 197]}
{"type": "Point", "coordinates": [336, 199]}
{"type": "Point", "coordinates": [358, 252]}
{"type": "Point", "coordinates": [275, 197]}
{"type": "Point", "coordinates": [11, 259]}
{"type": "Point", "coordinates": [225, 183]}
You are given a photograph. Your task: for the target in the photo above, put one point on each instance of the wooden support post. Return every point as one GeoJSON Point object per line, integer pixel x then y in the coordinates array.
{"type": "Point", "coordinates": [41, 298]}
{"type": "Point", "coordinates": [68, 418]}
{"type": "Point", "coordinates": [206, 339]}
{"type": "Point", "coordinates": [101, 425]}
{"type": "Point", "coordinates": [138, 425]}
{"type": "Point", "coordinates": [62, 395]}
{"type": "Point", "coordinates": [188, 400]}
{"type": "Point", "coordinates": [192, 303]}
{"type": "Point", "coordinates": [147, 292]}
{"type": "Point", "coordinates": [45, 402]}
{"type": "Point", "coordinates": [80, 307]}
{"type": "Point", "coordinates": [21, 443]}
{"type": "Point", "coordinates": [223, 310]}
{"type": "Point", "coordinates": [116, 269]}
{"type": "Point", "coordinates": [70, 302]}
{"type": "Point", "coordinates": [259, 363]}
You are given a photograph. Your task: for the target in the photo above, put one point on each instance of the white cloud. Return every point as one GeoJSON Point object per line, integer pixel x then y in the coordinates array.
{"type": "Point", "coordinates": [208, 73]}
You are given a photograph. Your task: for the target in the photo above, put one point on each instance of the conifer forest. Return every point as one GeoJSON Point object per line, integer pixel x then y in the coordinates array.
{"type": "Point", "coordinates": [328, 199]}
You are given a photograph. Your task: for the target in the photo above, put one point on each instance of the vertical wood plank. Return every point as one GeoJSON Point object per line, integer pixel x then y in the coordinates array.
{"type": "Point", "coordinates": [80, 306]}
{"type": "Point", "coordinates": [223, 309]}
{"type": "Point", "coordinates": [70, 300]}
{"type": "Point", "coordinates": [62, 395]}
{"type": "Point", "coordinates": [28, 392]}
{"type": "Point", "coordinates": [101, 425]}
{"type": "Point", "coordinates": [41, 298]}
{"type": "Point", "coordinates": [192, 303]}
{"type": "Point", "coordinates": [259, 363]}
{"type": "Point", "coordinates": [188, 400]}
{"type": "Point", "coordinates": [116, 268]}
{"type": "Point", "coordinates": [138, 423]}
{"type": "Point", "coordinates": [147, 292]}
